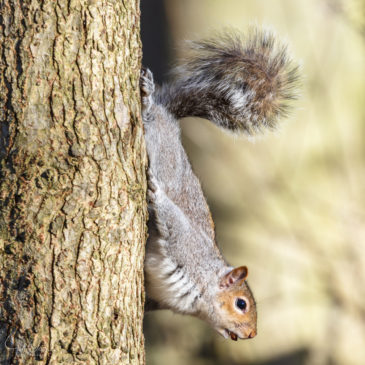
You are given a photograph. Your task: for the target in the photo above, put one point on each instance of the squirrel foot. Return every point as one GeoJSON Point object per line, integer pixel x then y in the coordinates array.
{"type": "Point", "coordinates": [153, 187]}
{"type": "Point", "coordinates": [147, 87]}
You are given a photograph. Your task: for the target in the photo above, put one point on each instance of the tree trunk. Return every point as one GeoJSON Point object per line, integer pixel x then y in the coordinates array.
{"type": "Point", "coordinates": [72, 193]}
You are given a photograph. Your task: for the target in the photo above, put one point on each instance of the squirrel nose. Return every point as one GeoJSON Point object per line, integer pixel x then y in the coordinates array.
{"type": "Point", "coordinates": [252, 334]}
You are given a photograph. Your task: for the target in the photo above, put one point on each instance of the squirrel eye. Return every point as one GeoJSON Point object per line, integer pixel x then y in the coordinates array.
{"type": "Point", "coordinates": [241, 304]}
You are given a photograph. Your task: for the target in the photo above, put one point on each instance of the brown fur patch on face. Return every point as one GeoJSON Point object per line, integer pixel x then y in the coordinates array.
{"type": "Point", "coordinates": [243, 323]}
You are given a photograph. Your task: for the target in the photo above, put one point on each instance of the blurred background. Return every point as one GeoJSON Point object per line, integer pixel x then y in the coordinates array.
{"type": "Point", "coordinates": [290, 204]}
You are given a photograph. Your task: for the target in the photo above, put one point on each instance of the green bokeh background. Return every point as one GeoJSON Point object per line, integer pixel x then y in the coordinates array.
{"type": "Point", "coordinates": [290, 204]}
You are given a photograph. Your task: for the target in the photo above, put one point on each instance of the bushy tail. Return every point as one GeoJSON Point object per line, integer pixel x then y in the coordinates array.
{"type": "Point", "coordinates": [240, 83]}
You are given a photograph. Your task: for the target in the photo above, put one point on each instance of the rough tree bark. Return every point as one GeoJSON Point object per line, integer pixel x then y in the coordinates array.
{"type": "Point", "coordinates": [72, 193]}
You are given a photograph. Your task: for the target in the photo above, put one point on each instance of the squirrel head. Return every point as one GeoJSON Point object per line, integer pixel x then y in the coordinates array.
{"type": "Point", "coordinates": [235, 310]}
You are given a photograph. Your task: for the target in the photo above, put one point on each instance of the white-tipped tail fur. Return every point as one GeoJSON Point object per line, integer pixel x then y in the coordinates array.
{"type": "Point", "coordinates": [241, 83]}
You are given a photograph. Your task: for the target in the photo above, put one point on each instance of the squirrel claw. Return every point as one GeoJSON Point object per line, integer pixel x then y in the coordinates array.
{"type": "Point", "coordinates": [152, 187]}
{"type": "Point", "coordinates": [151, 197]}
{"type": "Point", "coordinates": [147, 87]}
{"type": "Point", "coordinates": [147, 84]}
{"type": "Point", "coordinates": [152, 182]}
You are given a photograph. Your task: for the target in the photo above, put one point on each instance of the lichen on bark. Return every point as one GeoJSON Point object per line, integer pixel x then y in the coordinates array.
{"type": "Point", "coordinates": [72, 194]}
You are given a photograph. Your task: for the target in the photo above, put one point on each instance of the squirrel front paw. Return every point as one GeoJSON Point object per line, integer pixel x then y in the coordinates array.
{"type": "Point", "coordinates": [153, 188]}
{"type": "Point", "coordinates": [159, 204]}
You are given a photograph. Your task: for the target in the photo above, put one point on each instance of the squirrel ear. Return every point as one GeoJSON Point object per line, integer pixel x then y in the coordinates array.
{"type": "Point", "coordinates": [234, 276]}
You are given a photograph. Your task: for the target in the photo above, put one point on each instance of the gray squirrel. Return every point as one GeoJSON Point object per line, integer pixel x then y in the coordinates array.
{"type": "Point", "coordinates": [242, 84]}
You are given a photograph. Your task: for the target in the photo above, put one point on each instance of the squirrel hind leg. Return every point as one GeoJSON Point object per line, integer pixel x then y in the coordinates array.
{"type": "Point", "coordinates": [147, 87]}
